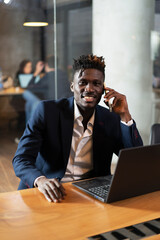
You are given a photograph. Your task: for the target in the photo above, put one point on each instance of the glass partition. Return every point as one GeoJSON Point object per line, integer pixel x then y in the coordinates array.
{"type": "Point", "coordinates": [36, 62]}
{"type": "Point", "coordinates": [155, 46]}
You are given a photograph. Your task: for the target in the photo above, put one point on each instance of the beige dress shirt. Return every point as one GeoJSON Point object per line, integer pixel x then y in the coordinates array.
{"type": "Point", "coordinates": [81, 154]}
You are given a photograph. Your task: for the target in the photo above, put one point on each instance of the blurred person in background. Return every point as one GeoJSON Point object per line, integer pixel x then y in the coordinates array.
{"type": "Point", "coordinates": [25, 67]}
{"type": "Point", "coordinates": [6, 82]}
{"type": "Point", "coordinates": [44, 89]}
{"type": "Point", "coordinates": [19, 103]}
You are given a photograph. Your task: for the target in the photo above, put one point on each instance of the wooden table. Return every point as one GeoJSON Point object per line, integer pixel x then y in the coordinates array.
{"type": "Point", "coordinates": [11, 91]}
{"type": "Point", "coordinates": [27, 215]}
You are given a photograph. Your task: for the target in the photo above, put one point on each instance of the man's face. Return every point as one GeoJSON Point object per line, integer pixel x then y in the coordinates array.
{"type": "Point", "coordinates": [88, 88]}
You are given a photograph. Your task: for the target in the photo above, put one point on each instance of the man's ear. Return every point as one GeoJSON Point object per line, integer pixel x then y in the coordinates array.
{"type": "Point", "coordinates": [71, 86]}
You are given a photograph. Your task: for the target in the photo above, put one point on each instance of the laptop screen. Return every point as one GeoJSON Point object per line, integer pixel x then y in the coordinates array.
{"type": "Point", "coordinates": [137, 172]}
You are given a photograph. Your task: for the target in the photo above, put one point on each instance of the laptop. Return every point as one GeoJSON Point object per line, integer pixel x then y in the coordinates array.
{"type": "Point", "coordinates": [137, 172]}
{"type": "Point", "coordinates": [24, 79]}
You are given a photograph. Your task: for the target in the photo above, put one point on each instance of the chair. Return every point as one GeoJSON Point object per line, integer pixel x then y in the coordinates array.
{"type": "Point", "coordinates": [155, 134]}
{"type": "Point", "coordinates": [18, 104]}
{"type": "Point", "coordinates": [155, 105]}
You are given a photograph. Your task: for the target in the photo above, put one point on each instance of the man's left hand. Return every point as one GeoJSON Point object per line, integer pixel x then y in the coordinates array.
{"type": "Point", "coordinates": [119, 104]}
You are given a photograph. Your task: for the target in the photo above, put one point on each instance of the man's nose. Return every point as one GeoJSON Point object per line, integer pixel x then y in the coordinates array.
{"type": "Point", "coordinates": [89, 87]}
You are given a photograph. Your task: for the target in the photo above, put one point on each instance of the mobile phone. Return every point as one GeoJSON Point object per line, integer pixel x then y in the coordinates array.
{"type": "Point", "coordinates": [109, 102]}
{"type": "Point", "coordinates": [110, 106]}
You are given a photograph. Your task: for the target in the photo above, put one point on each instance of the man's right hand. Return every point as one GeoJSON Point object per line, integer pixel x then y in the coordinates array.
{"type": "Point", "coordinates": [52, 189]}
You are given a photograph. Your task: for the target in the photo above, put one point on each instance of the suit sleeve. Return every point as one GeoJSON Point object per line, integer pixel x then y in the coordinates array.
{"type": "Point", "coordinates": [31, 84]}
{"type": "Point", "coordinates": [130, 136]}
{"type": "Point", "coordinates": [28, 148]}
{"type": "Point", "coordinates": [42, 83]}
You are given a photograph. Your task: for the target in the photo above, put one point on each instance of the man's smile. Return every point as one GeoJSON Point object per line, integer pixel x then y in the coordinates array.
{"type": "Point", "coordinates": [89, 98]}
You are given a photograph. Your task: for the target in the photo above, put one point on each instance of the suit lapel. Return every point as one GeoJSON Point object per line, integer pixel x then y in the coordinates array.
{"type": "Point", "coordinates": [66, 119]}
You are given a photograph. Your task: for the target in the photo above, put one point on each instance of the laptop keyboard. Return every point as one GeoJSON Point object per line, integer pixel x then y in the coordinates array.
{"type": "Point", "coordinates": [100, 191]}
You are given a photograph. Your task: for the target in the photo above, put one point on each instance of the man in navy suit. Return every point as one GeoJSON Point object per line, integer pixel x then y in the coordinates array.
{"type": "Point", "coordinates": [75, 138]}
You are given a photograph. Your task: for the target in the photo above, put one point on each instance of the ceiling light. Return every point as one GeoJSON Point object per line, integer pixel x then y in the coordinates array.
{"type": "Point", "coordinates": [35, 24]}
{"type": "Point", "coordinates": [35, 19]}
{"type": "Point", "coordinates": [7, 1]}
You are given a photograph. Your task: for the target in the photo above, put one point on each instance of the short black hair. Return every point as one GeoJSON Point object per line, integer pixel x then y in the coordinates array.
{"type": "Point", "coordinates": [50, 60]}
{"type": "Point", "coordinates": [89, 61]}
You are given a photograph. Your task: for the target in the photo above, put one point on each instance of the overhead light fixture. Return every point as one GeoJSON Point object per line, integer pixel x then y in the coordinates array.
{"type": "Point", "coordinates": [35, 19]}
{"type": "Point", "coordinates": [7, 1]}
{"type": "Point", "coordinates": [35, 24]}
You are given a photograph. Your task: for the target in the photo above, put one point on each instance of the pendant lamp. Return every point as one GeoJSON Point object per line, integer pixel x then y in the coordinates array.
{"type": "Point", "coordinates": [35, 19]}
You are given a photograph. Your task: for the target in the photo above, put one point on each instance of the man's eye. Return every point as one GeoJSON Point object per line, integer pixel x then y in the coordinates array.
{"type": "Point", "coordinates": [82, 83]}
{"type": "Point", "coordinates": [97, 83]}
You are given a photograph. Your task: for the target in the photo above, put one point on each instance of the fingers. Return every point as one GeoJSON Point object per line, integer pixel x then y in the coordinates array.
{"type": "Point", "coordinates": [46, 194]}
{"type": "Point", "coordinates": [119, 102]}
{"type": "Point", "coordinates": [51, 192]}
{"type": "Point", "coordinates": [39, 66]}
{"type": "Point", "coordinates": [51, 189]}
{"type": "Point", "coordinates": [107, 89]}
{"type": "Point", "coordinates": [40, 63]}
{"type": "Point", "coordinates": [61, 190]}
{"type": "Point", "coordinates": [108, 97]}
{"type": "Point", "coordinates": [60, 187]}
{"type": "Point", "coordinates": [111, 93]}
{"type": "Point", "coordinates": [109, 104]}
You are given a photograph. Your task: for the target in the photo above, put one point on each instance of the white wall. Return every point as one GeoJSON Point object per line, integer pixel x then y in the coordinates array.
{"type": "Point", "coordinates": [121, 33]}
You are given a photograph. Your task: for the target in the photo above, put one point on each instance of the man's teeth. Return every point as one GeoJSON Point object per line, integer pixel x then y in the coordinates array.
{"type": "Point", "coordinates": [88, 97]}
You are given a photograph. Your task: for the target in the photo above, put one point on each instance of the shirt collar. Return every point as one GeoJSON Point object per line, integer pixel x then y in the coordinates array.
{"type": "Point", "coordinates": [77, 115]}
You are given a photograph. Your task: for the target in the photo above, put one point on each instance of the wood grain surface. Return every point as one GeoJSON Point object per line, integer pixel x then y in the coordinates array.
{"type": "Point", "coordinates": [26, 214]}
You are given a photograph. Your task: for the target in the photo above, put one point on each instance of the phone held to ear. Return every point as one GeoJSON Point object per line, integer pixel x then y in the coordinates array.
{"type": "Point", "coordinates": [109, 104]}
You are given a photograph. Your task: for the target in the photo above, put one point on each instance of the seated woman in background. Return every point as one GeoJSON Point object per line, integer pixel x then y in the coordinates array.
{"type": "Point", "coordinates": [25, 67]}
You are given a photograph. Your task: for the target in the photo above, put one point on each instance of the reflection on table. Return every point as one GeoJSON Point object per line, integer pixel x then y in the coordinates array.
{"type": "Point", "coordinates": [27, 215]}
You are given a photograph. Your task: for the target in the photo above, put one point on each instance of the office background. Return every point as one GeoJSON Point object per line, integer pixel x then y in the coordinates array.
{"type": "Point", "coordinates": [125, 32]}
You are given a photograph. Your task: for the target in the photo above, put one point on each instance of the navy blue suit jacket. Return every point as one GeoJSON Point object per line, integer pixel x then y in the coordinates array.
{"type": "Point", "coordinates": [45, 145]}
